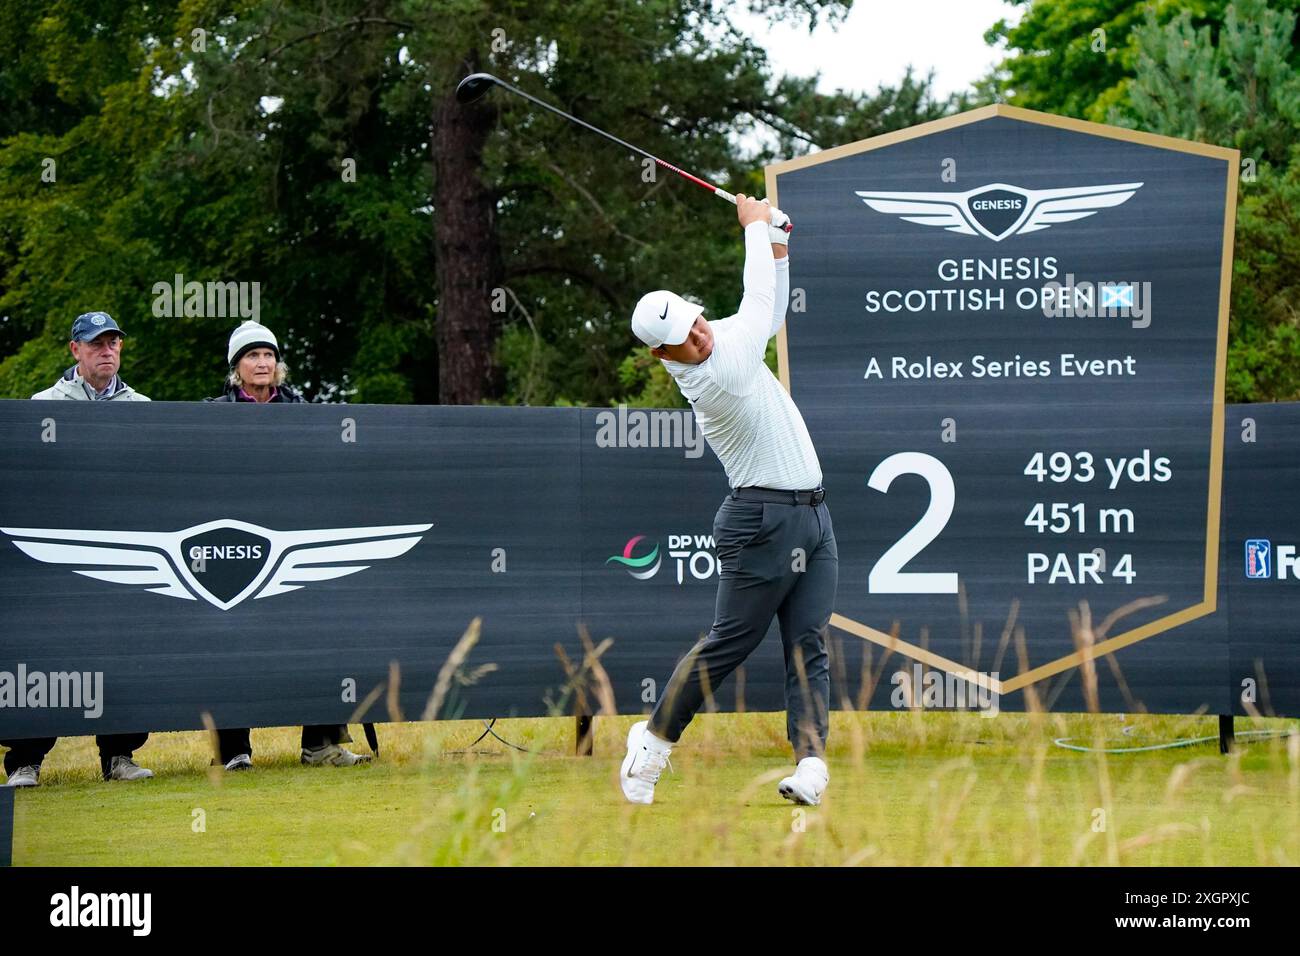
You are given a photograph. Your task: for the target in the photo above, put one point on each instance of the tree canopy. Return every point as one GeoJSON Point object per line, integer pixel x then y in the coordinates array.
{"type": "Point", "coordinates": [298, 145]}
{"type": "Point", "coordinates": [1225, 72]}
{"type": "Point", "coordinates": [408, 249]}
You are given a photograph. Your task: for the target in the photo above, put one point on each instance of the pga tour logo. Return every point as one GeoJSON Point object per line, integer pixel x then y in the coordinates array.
{"type": "Point", "coordinates": [693, 554]}
{"type": "Point", "coordinates": [1258, 558]}
{"type": "Point", "coordinates": [998, 210]}
{"type": "Point", "coordinates": [1263, 561]}
{"type": "Point", "coordinates": [222, 562]}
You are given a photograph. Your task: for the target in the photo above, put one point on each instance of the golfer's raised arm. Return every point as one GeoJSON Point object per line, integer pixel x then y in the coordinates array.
{"type": "Point", "coordinates": [782, 292]}
{"type": "Point", "coordinates": [758, 303]}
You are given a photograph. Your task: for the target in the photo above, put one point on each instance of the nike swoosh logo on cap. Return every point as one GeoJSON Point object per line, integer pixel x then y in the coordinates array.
{"type": "Point", "coordinates": [665, 315]}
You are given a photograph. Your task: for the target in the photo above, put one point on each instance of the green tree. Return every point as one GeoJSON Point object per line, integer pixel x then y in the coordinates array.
{"type": "Point", "coordinates": [227, 160]}
{"type": "Point", "coordinates": [1215, 71]}
{"type": "Point", "coordinates": [406, 248]}
{"type": "Point", "coordinates": [1076, 57]}
{"type": "Point", "coordinates": [1240, 90]}
{"type": "Point", "coordinates": [1237, 87]}
{"type": "Point", "coordinates": [50, 92]}
{"type": "Point", "coordinates": [1264, 334]}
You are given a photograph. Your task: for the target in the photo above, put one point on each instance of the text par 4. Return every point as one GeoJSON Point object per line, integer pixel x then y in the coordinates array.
{"type": "Point", "coordinates": [1045, 517]}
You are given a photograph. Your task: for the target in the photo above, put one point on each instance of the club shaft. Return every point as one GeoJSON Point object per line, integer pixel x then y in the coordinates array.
{"type": "Point", "coordinates": [721, 193]}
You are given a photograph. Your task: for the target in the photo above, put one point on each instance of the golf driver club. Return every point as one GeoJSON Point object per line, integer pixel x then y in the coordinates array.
{"type": "Point", "coordinates": [477, 84]}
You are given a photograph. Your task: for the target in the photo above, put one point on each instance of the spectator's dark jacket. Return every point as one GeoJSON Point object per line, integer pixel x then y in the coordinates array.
{"type": "Point", "coordinates": [283, 394]}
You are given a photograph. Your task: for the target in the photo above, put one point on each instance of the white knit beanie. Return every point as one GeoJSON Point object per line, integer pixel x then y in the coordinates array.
{"type": "Point", "coordinates": [250, 335]}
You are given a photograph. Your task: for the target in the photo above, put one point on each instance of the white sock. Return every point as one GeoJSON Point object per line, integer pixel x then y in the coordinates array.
{"type": "Point", "coordinates": [657, 744]}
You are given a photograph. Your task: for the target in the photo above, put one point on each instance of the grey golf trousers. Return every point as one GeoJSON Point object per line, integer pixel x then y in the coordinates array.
{"type": "Point", "coordinates": [775, 559]}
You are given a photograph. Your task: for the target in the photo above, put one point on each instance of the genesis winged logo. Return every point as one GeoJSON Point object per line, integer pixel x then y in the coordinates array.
{"type": "Point", "coordinates": [223, 562]}
{"type": "Point", "coordinates": [997, 210]}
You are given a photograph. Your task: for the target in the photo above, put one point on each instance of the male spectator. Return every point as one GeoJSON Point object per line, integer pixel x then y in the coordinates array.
{"type": "Point", "coordinates": [96, 344]}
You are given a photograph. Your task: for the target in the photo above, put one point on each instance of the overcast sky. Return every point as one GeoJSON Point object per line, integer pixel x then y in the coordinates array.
{"type": "Point", "coordinates": [878, 40]}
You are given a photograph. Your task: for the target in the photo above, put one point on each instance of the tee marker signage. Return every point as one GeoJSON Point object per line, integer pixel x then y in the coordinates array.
{"type": "Point", "coordinates": [1027, 315]}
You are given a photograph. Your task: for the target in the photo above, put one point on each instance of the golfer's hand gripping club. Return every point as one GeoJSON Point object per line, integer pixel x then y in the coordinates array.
{"type": "Point", "coordinates": [749, 209]}
{"type": "Point", "coordinates": [779, 227]}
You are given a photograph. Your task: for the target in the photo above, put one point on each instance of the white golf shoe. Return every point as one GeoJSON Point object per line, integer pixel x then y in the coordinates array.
{"type": "Point", "coordinates": [29, 776]}
{"type": "Point", "coordinates": [808, 782]}
{"type": "Point", "coordinates": [646, 758]}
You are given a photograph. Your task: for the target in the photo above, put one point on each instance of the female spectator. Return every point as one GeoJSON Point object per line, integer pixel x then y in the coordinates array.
{"type": "Point", "coordinates": [257, 374]}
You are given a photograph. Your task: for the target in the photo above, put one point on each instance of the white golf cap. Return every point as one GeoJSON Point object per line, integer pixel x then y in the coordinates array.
{"type": "Point", "coordinates": [664, 318]}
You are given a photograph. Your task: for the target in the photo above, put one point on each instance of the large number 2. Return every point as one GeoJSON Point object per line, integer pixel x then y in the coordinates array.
{"type": "Point", "coordinates": [888, 576]}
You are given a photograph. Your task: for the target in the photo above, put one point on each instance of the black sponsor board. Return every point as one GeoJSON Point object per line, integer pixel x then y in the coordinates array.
{"type": "Point", "coordinates": [649, 571]}
{"type": "Point", "coordinates": [330, 559]}
{"type": "Point", "coordinates": [534, 527]}
{"type": "Point", "coordinates": [1261, 542]}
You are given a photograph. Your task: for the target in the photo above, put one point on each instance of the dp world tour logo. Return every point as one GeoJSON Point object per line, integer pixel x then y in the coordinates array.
{"type": "Point", "coordinates": [997, 210]}
{"type": "Point", "coordinates": [646, 566]}
{"type": "Point", "coordinates": [223, 562]}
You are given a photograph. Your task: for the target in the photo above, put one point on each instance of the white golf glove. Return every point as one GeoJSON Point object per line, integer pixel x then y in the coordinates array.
{"type": "Point", "coordinates": [776, 228]}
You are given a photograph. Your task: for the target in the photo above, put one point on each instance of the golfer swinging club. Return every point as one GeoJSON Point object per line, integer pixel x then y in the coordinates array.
{"type": "Point", "coordinates": [775, 547]}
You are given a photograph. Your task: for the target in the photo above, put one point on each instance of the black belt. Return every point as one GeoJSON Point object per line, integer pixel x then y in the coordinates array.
{"type": "Point", "coordinates": [753, 493]}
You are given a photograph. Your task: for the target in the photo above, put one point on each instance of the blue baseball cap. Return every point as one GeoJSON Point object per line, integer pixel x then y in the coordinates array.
{"type": "Point", "coordinates": [91, 325]}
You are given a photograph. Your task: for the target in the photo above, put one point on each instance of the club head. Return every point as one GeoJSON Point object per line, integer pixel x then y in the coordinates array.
{"type": "Point", "coordinates": [474, 86]}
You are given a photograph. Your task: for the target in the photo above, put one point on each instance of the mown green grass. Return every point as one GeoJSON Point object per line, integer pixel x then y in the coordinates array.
{"type": "Point", "coordinates": [906, 789]}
